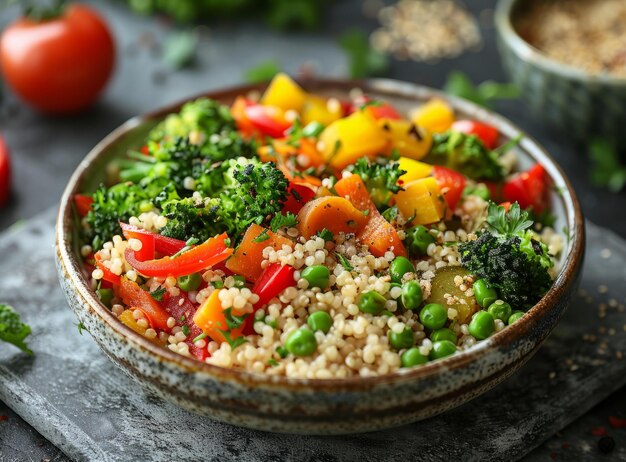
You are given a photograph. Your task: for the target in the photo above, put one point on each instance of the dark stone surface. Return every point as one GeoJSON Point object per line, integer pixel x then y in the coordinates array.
{"type": "Point", "coordinates": [46, 150]}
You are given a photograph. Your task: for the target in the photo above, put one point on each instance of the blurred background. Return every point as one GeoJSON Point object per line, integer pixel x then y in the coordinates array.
{"type": "Point", "coordinates": [163, 51]}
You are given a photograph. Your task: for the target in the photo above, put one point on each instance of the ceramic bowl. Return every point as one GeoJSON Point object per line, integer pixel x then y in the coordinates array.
{"type": "Point", "coordinates": [580, 104]}
{"type": "Point", "coordinates": [351, 405]}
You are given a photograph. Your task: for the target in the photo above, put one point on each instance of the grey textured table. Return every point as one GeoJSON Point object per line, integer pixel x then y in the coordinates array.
{"type": "Point", "coordinates": [45, 151]}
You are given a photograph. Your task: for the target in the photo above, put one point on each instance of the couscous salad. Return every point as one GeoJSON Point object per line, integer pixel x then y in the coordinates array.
{"type": "Point", "coordinates": [311, 237]}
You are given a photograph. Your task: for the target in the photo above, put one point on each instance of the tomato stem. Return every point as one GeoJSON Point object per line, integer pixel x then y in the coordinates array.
{"type": "Point", "coordinates": [41, 13]}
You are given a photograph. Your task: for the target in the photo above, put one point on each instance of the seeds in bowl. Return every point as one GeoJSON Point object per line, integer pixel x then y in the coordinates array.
{"type": "Point", "coordinates": [588, 34]}
{"type": "Point", "coordinates": [344, 240]}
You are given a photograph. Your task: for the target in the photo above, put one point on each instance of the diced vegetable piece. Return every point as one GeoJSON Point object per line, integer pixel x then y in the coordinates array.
{"type": "Point", "coordinates": [273, 280]}
{"type": "Point", "coordinates": [414, 170]}
{"type": "Point", "coordinates": [147, 240]}
{"type": "Point", "coordinates": [336, 214]}
{"type": "Point", "coordinates": [268, 120]}
{"type": "Point", "coordinates": [198, 258]}
{"type": "Point", "coordinates": [211, 319]}
{"type": "Point", "coordinates": [238, 111]}
{"type": "Point", "coordinates": [83, 204]}
{"type": "Point", "coordinates": [320, 110]}
{"type": "Point", "coordinates": [246, 261]}
{"type": "Point", "coordinates": [377, 109]}
{"type": "Point", "coordinates": [378, 234]}
{"type": "Point", "coordinates": [298, 195]}
{"type": "Point", "coordinates": [529, 189]}
{"type": "Point", "coordinates": [451, 183]}
{"type": "Point", "coordinates": [128, 320]}
{"type": "Point", "coordinates": [347, 139]}
{"type": "Point", "coordinates": [162, 244]}
{"type": "Point", "coordinates": [443, 284]}
{"type": "Point", "coordinates": [423, 200]}
{"type": "Point", "coordinates": [183, 312]}
{"type": "Point", "coordinates": [407, 138]}
{"type": "Point", "coordinates": [487, 134]}
{"type": "Point", "coordinates": [284, 93]}
{"type": "Point", "coordinates": [436, 116]}
{"type": "Point", "coordinates": [134, 296]}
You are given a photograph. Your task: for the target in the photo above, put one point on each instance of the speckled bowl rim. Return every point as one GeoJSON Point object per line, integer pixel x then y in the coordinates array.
{"type": "Point", "coordinates": [562, 284]}
{"type": "Point", "coordinates": [531, 54]}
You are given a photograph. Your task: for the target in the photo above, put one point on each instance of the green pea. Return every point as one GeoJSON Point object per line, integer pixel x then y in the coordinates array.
{"type": "Point", "coordinates": [386, 313]}
{"type": "Point", "coordinates": [320, 320]}
{"type": "Point", "coordinates": [417, 240]}
{"type": "Point", "coordinates": [405, 339]}
{"type": "Point", "coordinates": [399, 267]}
{"type": "Point", "coordinates": [482, 325]}
{"type": "Point", "coordinates": [313, 129]}
{"type": "Point", "coordinates": [443, 334]}
{"type": "Point", "coordinates": [485, 295]}
{"type": "Point", "coordinates": [433, 316]}
{"type": "Point", "coordinates": [219, 284]}
{"type": "Point", "coordinates": [413, 357]}
{"type": "Point", "coordinates": [515, 316]}
{"type": "Point", "coordinates": [146, 206]}
{"type": "Point", "coordinates": [441, 349]}
{"type": "Point", "coordinates": [481, 190]}
{"type": "Point", "coordinates": [301, 343]}
{"type": "Point", "coordinates": [411, 295]}
{"type": "Point", "coordinates": [372, 302]}
{"type": "Point", "coordinates": [240, 281]}
{"type": "Point", "coordinates": [316, 276]}
{"type": "Point", "coordinates": [500, 310]}
{"type": "Point", "coordinates": [105, 296]}
{"type": "Point", "coordinates": [189, 282]}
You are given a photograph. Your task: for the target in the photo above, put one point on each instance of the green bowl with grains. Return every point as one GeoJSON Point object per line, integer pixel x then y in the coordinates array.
{"type": "Point", "coordinates": [425, 381]}
{"type": "Point", "coordinates": [569, 59]}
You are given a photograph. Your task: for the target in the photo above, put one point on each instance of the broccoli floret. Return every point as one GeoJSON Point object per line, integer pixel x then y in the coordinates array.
{"type": "Point", "coordinates": [381, 180]}
{"type": "Point", "coordinates": [203, 115]}
{"type": "Point", "coordinates": [252, 191]}
{"type": "Point", "coordinates": [112, 205]}
{"type": "Point", "coordinates": [12, 329]}
{"type": "Point", "coordinates": [509, 258]}
{"type": "Point", "coordinates": [465, 154]}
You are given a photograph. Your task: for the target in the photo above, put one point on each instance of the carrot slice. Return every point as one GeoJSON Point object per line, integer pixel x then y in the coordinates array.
{"type": "Point", "coordinates": [336, 214]}
{"type": "Point", "coordinates": [246, 261]}
{"type": "Point", "coordinates": [135, 296]}
{"type": "Point", "coordinates": [378, 234]}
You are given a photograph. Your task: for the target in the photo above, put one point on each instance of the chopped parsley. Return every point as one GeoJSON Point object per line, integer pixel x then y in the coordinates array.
{"type": "Point", "coordinates": [288, 220]}
{"type": "Point", "coordinates": [326, 235]}
{"type": "Point", "coordinates": [263, 236]}
{"type": "Point", "coordinates": [157, 294]}
{"type": "Point", "coordinates": [344, 262]}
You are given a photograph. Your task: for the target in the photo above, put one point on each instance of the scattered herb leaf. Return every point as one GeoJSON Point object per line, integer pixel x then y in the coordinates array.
{"type": "Point", "coordinates": [288, 220]}
{"type": "Point", "coordinates": [326, 235]}
{"type": "Point", "coordinates": [158, 293]}
{"type": "Point", "coordinates": [262, 72]}
{"type": "Point", "coordinates": [606, 169]}
{"type": "Point", "coordinates": [459, 84]}
{"type": "Point", "coordinates": [179, 49]}
{"type": "Point", "coordinates": [261, 237]}
{"type": "Point", "coordinates": [344, 262]}
{"type": "Point", "coordinates": [363, 60]}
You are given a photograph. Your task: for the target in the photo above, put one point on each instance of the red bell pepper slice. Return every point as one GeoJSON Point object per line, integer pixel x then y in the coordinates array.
{"type": "Point", "coordinates": [135, 297]}
{"type": "Point", "coordinates": [147, 242]}
{"type": "Point", "coordinates": [486, 133]}
{"type": "Point", "coordinates": [452, 184]}
{"type": "Point", "coordinates": [162, 244]}
{"type": "Point", "coordinates": [273, 280]}
{"type": "Point", "coordinates": [183, 313]}
{"type": "Point", "coordinates": [108, 275]}
{"type": "Point", "coordinates": [265, 121]}
{"type": "Point", "coordinates": [196, 259]}
{"type": "Point", "coordinates": [298, 194]}
{"type": "Point", "coordinates": [83, 204]}
{"type": "Point", "coordinates": [529, 189]}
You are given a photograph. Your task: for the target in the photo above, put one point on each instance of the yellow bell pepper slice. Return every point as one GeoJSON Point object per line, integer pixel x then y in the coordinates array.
{"type": "Point", "coordinates": [316, 109]}
{"type": "Point", "coordinates": [284, 93]}
{"type": "Point", "coordinates": [127, 319]}
{"type": "Point", "coordinates": [421, 199]}
{"type": "Point", "coordinates": [414, 169]}
{"type": "Point", "coordinates": [346, 140]}
{"type": "Point", "coordinates": [409, 139]}
{"type": "Point", "coordinates": [211, 319]}
{"type": "Point", "coordinates": [435, 116]}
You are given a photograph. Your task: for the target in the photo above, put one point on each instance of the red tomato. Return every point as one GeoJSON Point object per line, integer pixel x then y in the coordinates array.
{"type": "Point", "coordinates": [267, 120]}
{"type": "Point", "coordinates": [183, 313]}
{"type": "Point", "coordinates": [486, 133]}
{"type": "Point", "coordinates": [109, 276]}
{"type": "Point", "coordinates": [5, 173]}
{"type": "Point", "coordinates": [82, 202]}
{"type": "Point", "coordinates": [135, 296]}
{"type": "Point", "coordinates": [529, 189]}
{"type": "Point", "coordinates": [451, 183]}
{"type": "Point", "coordinates": [298, 194]}
{"type": "Point", "coordinates": [379, 110]}
{"type": "Point", "coordinates": [58, 65]}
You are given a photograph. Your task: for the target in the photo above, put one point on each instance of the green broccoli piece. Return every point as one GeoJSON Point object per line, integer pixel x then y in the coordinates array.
{"type": "Point", "coordinates": [509, 258]}
{"type": "Point", "coordinates": [12, 329]}
{"type": "Point", "coordinates": [252, 191]}
{"type": "Point", "coordinates": [381, 180]}
{"type": "Point", "coordinates": [466, 154]}
{"type": "Point", "coordinates": [112, 205]}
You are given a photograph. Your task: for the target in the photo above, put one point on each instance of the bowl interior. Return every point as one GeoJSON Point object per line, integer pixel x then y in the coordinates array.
{"type": "Point", "coordinates": [404, 96]}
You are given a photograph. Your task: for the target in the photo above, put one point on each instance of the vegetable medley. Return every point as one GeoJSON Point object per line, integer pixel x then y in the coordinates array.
{"type": "Point", "coordinates": [313, 237]}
